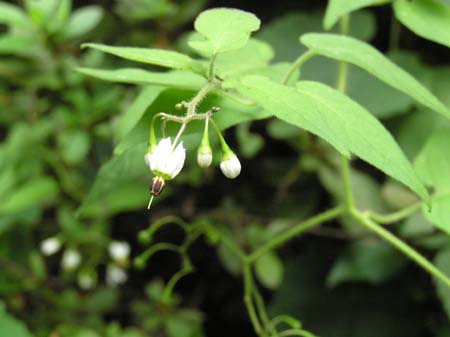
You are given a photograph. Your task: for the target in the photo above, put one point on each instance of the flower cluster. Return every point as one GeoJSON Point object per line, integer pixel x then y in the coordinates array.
{"type": "Point", "coordinates": [166, 159]}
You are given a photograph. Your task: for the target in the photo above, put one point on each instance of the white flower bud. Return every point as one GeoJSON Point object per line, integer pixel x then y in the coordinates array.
{"type": "Point", "coordinates": [50, 246]}
{"type": "Point", "coordinates": [71, 259]}
{"type": "Point", "coordinates": [164, 161]}
{"type": "Point", "coordinates": [119, 251]}
{"type": "Point", "coordinates": [230, 166]}
{"type": "Point", "coordinates": [115, 275]}
{"type": "Point", "coordinates": [204, 156]}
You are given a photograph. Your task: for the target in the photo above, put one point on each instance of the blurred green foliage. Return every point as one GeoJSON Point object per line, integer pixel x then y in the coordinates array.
{"type": "Point", "coordinates": [72, 170]}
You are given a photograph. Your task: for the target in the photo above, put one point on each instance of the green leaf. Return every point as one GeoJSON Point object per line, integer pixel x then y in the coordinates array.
{"type": "Point", "coordinates": [269, 270]}
{"type": "Point", "coordinates": [255, 54]}
{"type": "Point", "coordinates": [442, 261]}
{"type": "Point", "coordinates": [74, 145]}
{"type": "Point", "coordinates": [13, 15]}
{"type": "Point", "coordinates": [31, 194]}
{"type": "Point", "coordinates": [136, 110]}
{"type": "Point", "coordinates": [83, 20]}
{"type": "Point", "coordinates": [363, 55]}
{"type": "Point", "coordinates": [60, 16]}
{"type": "Point", "coordinates": [223, 29]}
{"type": "Point", "coordinates": [433, 165]}
{"type": "Point", "coordinates": [112, 180]}
{"type": "Point", "coordinates": [159, 57]}
{"type": "Point", "coordinates": [429, 19]}
{"type": "Point", "coordinates": [249, 143]}
{"type": "Point", "coordinates": [333, 116]}
{"type": "Point", "coordinates": [283, 31]}
{"type": "Point", "coordinates": [373, 262]}
{"type": "Point", "coordinates": [338, 8]}
{"type": "Point", "coordinates": [177, 78]}
{"type": "Point", "coordinates": [10, 326]}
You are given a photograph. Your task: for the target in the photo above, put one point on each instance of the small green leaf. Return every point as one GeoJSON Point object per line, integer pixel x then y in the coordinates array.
{"type": "Point", "coordinates": [83, 20]}
{"type": "Point", "coordinates": [74, 145]}
{"type": "Point", "coordinates": [249, 143]}
{"type": "Point", "coordinates": [10, 326]}
{"type": "Point", "coordinates": [13, 15]}
{"type": "Point", "coordinates": [331, 115]}
{"type": "Point", "coordinates": [255, 54]}
{"type": "Point", "coordinates": [338, 8]}
{"type": "Point", "coordinates": [429, 19]}
{"type": "Point", "coordinates": [135, 111]}
{"type": "Point", "coordinates": [223, 29]}
{"type": "Point", "coordinates": [363, 55]}
{"type": "Point", "coordinates": [177, 78]}
{"type": "Point", "coordinates": [373, 262]}
{"type": "Point", "coordinates": [433, 165]}
{"type": "Point", "coordinates": [159, 57]}
{"type": "Point", "coordinates": [269, 270]}
{"type": "Point", "coordinates": [442, 261]}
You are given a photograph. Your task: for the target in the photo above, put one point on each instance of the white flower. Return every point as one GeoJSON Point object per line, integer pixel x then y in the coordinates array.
{"type": "Point", "coordinates": [164, 161]}
{"type": "Point", "coordinates": [230, 166]}
{"type": "Point", "coordinates": [50, 246]}
{"type": "Point", "coordinates": [71, 259]}
{"type": "Point", "coordinates": [119, 250]}
{"type": "Point", "coordinates": [115, 275]}
{"type": "Point", "coordinates": [204, 156]}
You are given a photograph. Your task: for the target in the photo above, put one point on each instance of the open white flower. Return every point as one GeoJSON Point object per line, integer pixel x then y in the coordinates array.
{"type": "Point", "coordinates": [164, 161]}
{"type": "Point", "coordinates": [71, 259]}
{"type": "Point", "coordinates": [230, 165]}
{"type": "Point", "coordinates": [119, 250]}
{"type": "Point", "coordinates": [50, 246]}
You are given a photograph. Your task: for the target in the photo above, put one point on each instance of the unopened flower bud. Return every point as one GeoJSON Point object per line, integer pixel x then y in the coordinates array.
{"type": "Point", "coordinates": [204, 156]}
{"type": "Point", "coordinates": [157, 186]}
{"type": "Point", "coordinates": [71, 259]}
{"type": "Point", "coordinates": [50, 246]}
{"type": "Point", "coordinates": [230, 165]}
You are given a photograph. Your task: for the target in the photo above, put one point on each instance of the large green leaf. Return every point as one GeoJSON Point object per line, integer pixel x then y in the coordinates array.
{"type": "Point", "coordinates": [30, 194]}
{"type": "Point", "coordinates": [340, 121]}
{"type": "Point", "coordinates": [338, 8]}
{"type": "Point", "coordinates": [433, 165]}
{"type": "Point", "coordinates": [429, 19]}
{"type": "Point", "coordinates": [10, 326]}
{"type": "Point", "coordinates": [177, 78]}
{"type": "Point", "coordinates": [160, 57]}
{"type": "Point", "coordinates": [363, 55]}
{"type": "Point", "coordinates": [223, 29]}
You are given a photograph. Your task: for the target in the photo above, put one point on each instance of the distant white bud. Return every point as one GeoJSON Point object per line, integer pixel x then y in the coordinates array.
{"type": "Point", "coordinates": [204, 156]}
{"type": "Point", "coordinates": [50, 246]}
{"type": "Point", "coordinates": [115, 275]}
{"type": "Point", "coordinates": [87, 279]}
{"type": "Point", "coordinates": [119, 250]}
{"type": "Point", "coordinates": [230, 166]}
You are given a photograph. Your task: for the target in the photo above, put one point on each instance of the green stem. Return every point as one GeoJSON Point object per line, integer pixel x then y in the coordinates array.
{"type": "Point", "coordinates": [261, 308]}
{"type": "Point", "coordinates": [400, 245]}
{"type": "Point", "coordinates": [296, 332]}
{"type": "Point", "coordinates": [394, 36]}
{"type": "Point", "coordinates": [296, 230]}
{"type": "Point", "coordinates": [345, 169]}
{"type": "Point", "coordinates": [297, 64]}
{"type": "Point", "coordinates": [236, 98]}
{"type": "Point", "coordinates": [396, 216]}
{"type": "Point", "coordinates": [233, 247]}
{"type": "Point", "coordinates": [248, 285]}
{"type": "Point", "coordinates": [211, 67]}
